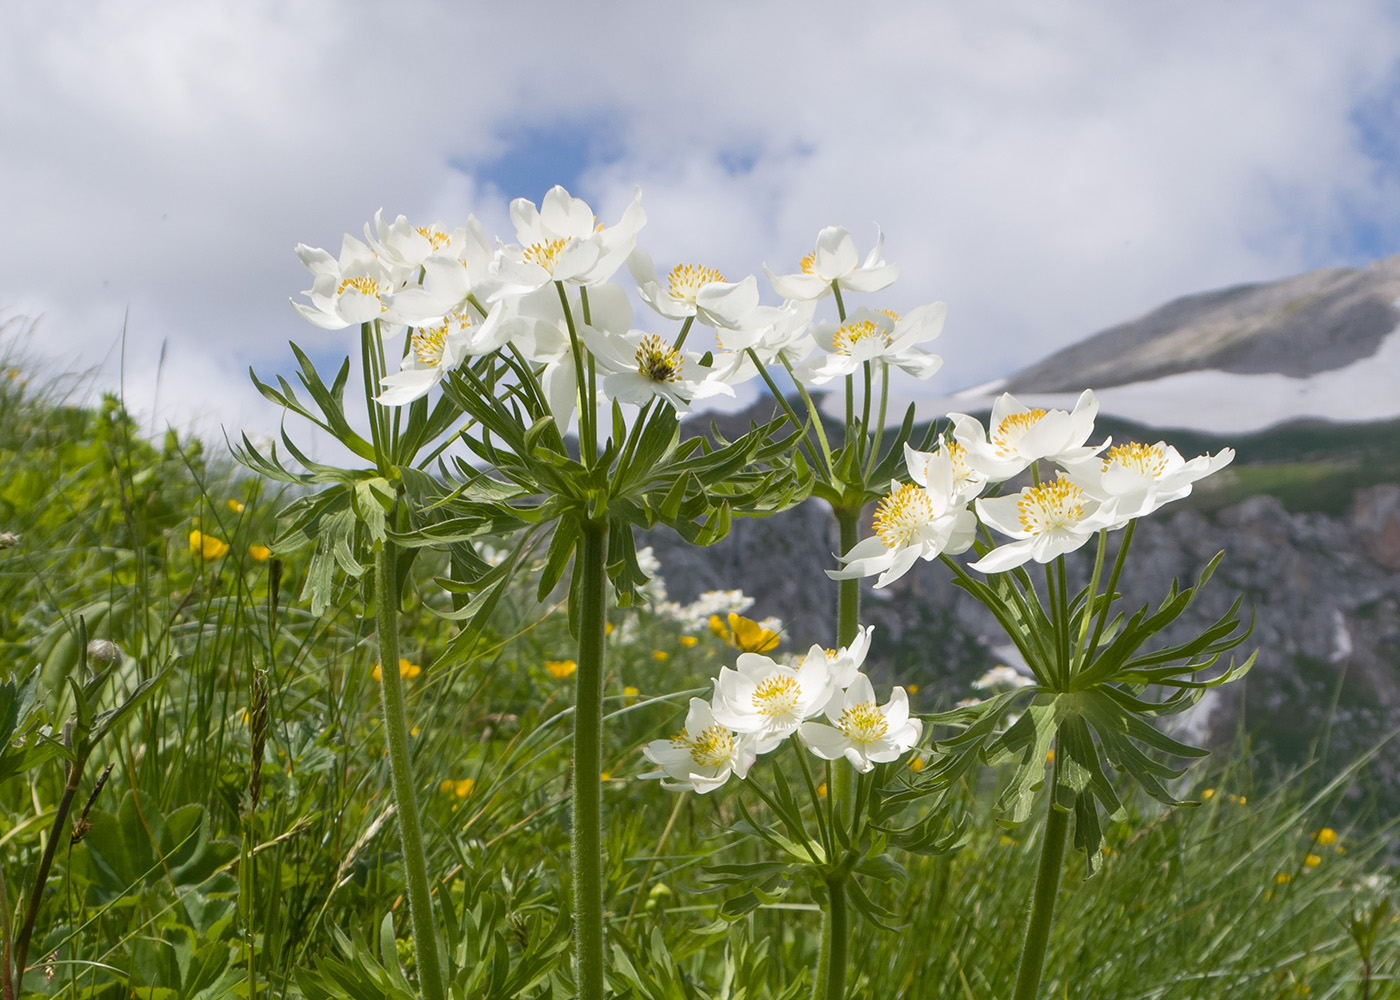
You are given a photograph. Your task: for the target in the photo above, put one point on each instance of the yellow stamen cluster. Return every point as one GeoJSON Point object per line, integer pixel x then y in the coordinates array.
{"type": "Point", "coordinates": [777, 696]}
{"type": "Point", "coordinates": [658, 361]}
{"type": "Point", "coordinates": [363, 284]}
{"type": "Point", "coordinates": [429, 344]}
{"type": "Point", "coordinates": [711, 748]}
{"type": "Point", "coordinates": [1010, 431]}
{"type": "Point", "coordinates": [896, 317]}
{"type": "Point", "coordinates": [809, 263]}
{"type": "Point", "coordinates": [863, 723]}
{"type": "Point", "coordinates": [435, 236]}
{"type": "Point", "coordinates": [685, 280]}
{"type": "Point", "coordinates": [546, 255]}
{"type": "Point", "coordinates": [900, 515]}
{"type": "Point", "coordinates": [1146, 460]}
{"type": "Point", "coordinates": [1049, 506]}
{"type": "Point", "coordinates": [853, 333]}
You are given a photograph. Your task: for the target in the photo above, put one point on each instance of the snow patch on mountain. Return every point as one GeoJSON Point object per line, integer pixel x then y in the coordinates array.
{"type": "Point", "coordinates": [1211, 400]}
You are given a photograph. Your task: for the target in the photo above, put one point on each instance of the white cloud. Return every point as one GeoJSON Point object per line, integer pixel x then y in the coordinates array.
{"type": "Point", "coordinates": [1047, 171]}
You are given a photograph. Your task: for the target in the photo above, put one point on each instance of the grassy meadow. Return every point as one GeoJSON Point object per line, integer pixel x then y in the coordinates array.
{"type": "Point", "coordinates": [187, 867]}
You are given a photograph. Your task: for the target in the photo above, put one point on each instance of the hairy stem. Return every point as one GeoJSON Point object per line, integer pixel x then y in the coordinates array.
{"type": "Point", "coordinates": [587, 845]}
{"type": "Point", "coordinates": [1047, 884]}
{"type": "Point", "coordinates": [7, 982]}
{"type": "Point", "coordinates": [420, 905]}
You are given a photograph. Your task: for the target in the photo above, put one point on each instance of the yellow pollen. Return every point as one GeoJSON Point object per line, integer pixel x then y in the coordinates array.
{"type": "Point", "coordinates": [1010, 431]}
{"type": "Point", "coordinates": [711, 748]}
{"type": "Point", "coordinates": [657, 361]}
{"type": "Point", "coordinates": [364, 284]}
{"type": "Point", "coordinates": [687, 279]}
{"type": "Point", "coordinates": [776, 696]}
{"type": "Point", "coordinates": [853, 333]}
{"type": "Point", "coordinates": [900, 515]}
{"type": "Point", "coordinates": [1146, 460]}
{"type": "Point", "coordinates": [435, 236]}
{"type": "Point", "coordinates": [1051, 505]}
{"type": "Point", "coordinates": [429, 344]}
{"type": "Point", "coordinates": [892, 315]}
{"type": "Point", "coordinates": [546, 255]}
{"type": "Point", "coordinates": [957, 455]}
{"type": "Point", "coordinates": [809, 263]}
{"type": "Point", "coordinates": [863, 723]}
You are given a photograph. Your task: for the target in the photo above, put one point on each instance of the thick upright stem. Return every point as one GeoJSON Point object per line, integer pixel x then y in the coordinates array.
{"type": "Point", "coordinates": [848, 599]}
{"type": "Point", "coordinates": [830, 980]}
{"type": "Point", "coordinates": [588, 762]}
{"type": "Point", "coordinates": [420, 905]}
{"type": "Point", "coordinates": [1047, 884]}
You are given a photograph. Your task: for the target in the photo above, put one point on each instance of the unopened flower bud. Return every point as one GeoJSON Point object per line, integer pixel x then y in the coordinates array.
{"type": "Point", "coordinates": [104, 651]}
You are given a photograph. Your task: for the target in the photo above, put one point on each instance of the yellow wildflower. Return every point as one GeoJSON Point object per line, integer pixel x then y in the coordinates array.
{"type": "Point", "coordinates": [604, 775]}
{"type": "Point", "coordinates": [407, 671]}
{"type": "Point", "coordinates": [916, 764]}
{"type": "Point", "coordinates": [1327, 836]}
{"type": "Point", "coordinates": [560, 669]}
{"type": "Point", "coordinates": [821, 790]}
{"type": "Point", "coordinates": [1208, 794]}
{"type": "Point", "coordinates": [744, 634]}
{"type": "Point", "coordinates": [1312, 860]}
{"type": "Point", "coordinates": [260, 553]}
{"type": "Point", "coordinates": [689, 641]}
{"type": "Point", "coordinates": [607, 628]}
{"type": "Point", "coordinates": [207, 546]}
{"type": "Point", "coordinates": [235, 506]}
{"type": "Point", "coordinates": [660, 655]}
{"type": "Point", "coordinates": [1283, 878]}
{"type": "Point", "coordinates": [1050, 756]}
{"type": "Point", "coordinates": [912, 688]}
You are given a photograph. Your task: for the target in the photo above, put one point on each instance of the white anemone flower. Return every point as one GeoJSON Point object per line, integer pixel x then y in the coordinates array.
{"type": "Point", "coordinates": [460, 269]}
{"type": "Point", "coordinates": [768, 700]}
{"type": "Point", "coordinates": [1001, 679]}
{"type": "Point", "coordinates": [864, 733]}
{"type": "Point", "coordinates": [1021, 435]}
{"type": "Point", "coordinates": [403, 246]}
{"type": "Point", "coordinates": [562, 241]}
{"type": "Point", "coordinates": [914, 521]}
{"type": "Point", "coordinates": [966, 482]}
{"type": "Point", "coordinates": [835, 260]}
{"type": "Point", "coordinates": [640, 367]}
{"type": "Point", "coordinates": [693, 290]}
{"type": "Point", "coordinates": [775, 335]}
{"type": "Point", "coordinates": [436, 350]}
{"type": "Point", "coordinates": [881, 336]}
{"type": "Point", "coordinates": [1143, 477]}
{"type": "Point", "coordinates": [345, 291]}
{"type": "Point", "coordinates": [702, 756]}
{"type": "Point", "coordinates": [1046, 521]}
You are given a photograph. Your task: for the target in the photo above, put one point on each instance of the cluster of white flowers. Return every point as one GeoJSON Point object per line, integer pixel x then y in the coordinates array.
{"type": "Point", "coordinates": [453, 295]}
{"type": "Point", "coordinates": [759, 703]}
{"type": "Point", "coordinates": [1097, 487]}
{"type": "Point", "coordinates": [695, 617]}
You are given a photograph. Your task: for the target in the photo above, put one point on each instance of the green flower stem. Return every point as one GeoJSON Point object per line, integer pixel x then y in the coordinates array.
{"type": "Point", "coordinates": [830, 981]}
{"type": "Point", "coordinates": [1047, 884]}
{"type": "Point", "coordinates": [831, 963]}
{"type": "Point", "coordinates": [420, 905]}
{"type": "Point", "coordinates": [587, 435]}
{"type": "Point", "coordinates": [588, 762]}
{"type": "Point", "coordinates": [1112, 586]}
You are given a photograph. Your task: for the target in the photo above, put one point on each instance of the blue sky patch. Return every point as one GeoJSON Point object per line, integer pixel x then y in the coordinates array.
{"type": "Point", "coordinates": [539, 156]}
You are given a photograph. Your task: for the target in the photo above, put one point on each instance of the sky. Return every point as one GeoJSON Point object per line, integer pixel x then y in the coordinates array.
{"type": "Point", "coordinates": [1046, 170]}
